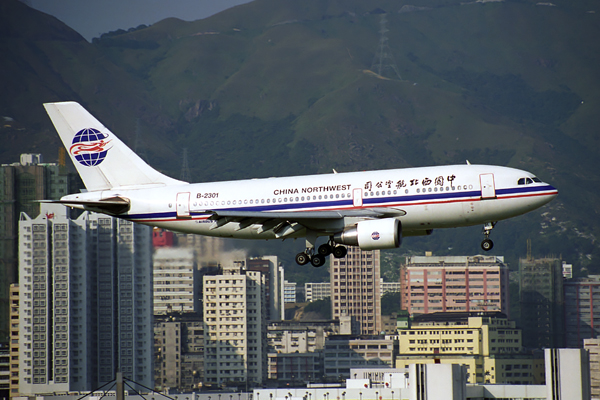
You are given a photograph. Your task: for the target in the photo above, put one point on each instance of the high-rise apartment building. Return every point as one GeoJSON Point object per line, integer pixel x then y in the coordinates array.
{"type": "Point", "coordinates": [234, 326]}
{"type": "Point", "coordinates": [176, 281]}
{"type": "Point", "coordinates": [179, 352]}
{"type": "Point", "coordinates": [21, 184]}
{"type": "Point", "coordinates": [454, 284]}
{"type": "Point", "coordinates": [542, 302]}
{"type": "Point", "coordinates": [14, 340]}
{"type": "Point", "coordinates": [274, 284]}
{"type": "Point", "coordinates": [355, 290]}
{"type": "Point", "coordinates": [582, 310]}
{"type": "Point", "coordinates": [85, 301]}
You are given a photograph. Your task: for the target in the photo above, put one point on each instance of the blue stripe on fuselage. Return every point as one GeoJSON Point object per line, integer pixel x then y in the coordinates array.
{"type": "Point", "coordinates": [367, 201]}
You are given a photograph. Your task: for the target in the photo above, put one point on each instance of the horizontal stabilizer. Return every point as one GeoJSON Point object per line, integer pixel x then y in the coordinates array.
{"type": "Point", "coordinates": [113, 205]}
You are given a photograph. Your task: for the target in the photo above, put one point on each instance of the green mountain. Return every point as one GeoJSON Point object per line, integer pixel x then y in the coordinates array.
{"type": "Point", "coordinates": [271, 88]}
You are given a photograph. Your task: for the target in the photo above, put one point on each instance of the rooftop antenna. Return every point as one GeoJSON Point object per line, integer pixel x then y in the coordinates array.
{"type": "Point", "coordinates": [529, 257]}
{"type": "Point", "coordinates": [185, 168]}
{"type": "Point", "coordinates": [383, 63]}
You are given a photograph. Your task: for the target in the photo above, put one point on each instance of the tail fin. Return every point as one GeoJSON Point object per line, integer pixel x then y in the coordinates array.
{"type": "Point", "coordinates": [101, 159]}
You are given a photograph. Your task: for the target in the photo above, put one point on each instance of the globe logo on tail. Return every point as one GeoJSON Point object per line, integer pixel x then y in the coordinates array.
{"type": "Point", "coordinates": [89, 147]}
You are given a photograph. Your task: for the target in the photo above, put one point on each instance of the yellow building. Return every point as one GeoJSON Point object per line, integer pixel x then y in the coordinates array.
{"type": "Point", "coordinates": [487, 343]}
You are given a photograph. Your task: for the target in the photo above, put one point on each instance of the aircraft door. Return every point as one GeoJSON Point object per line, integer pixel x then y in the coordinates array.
{"type": "Point", "coordinates": [488, 189]}
{"type": "Point", "coordinates": [357, 198]}
{"type": "Point", "coordinates": [183, 205]}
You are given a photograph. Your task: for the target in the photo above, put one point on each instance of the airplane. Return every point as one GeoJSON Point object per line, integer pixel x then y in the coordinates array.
{"type": "Point", "coordinates": [369, 209]}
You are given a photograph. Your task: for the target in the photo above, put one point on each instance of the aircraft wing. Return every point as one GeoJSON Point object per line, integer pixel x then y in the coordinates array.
{"type": "Point", "coordinates": [378, 212]}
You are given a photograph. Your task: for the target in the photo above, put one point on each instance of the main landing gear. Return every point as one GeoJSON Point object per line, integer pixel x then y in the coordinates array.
{"type": "Point", "coordinates": [487, 243]}
{"type": "Point", "coordinates": [318, 259]}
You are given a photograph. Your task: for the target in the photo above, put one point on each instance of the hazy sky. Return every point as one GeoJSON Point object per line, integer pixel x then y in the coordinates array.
{"type": "Point", "coordinates": [91, 18]}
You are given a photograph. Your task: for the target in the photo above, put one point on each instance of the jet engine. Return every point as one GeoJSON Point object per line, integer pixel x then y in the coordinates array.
{"type": "Point", "coordinates": [372, 234]}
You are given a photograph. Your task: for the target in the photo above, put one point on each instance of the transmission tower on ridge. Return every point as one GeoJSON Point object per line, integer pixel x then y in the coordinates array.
{"type": "Point", "coordinates": [383, 63]}
{"type": "Point", "coordinates": [185, 168]}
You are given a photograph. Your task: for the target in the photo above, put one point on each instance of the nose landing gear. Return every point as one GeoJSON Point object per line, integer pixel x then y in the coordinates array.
{"type": "Point", "coordinates": [487, 243]}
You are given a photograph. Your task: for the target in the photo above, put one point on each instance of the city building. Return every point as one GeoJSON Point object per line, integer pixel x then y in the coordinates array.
{"type": "Point", "coordinates": [567, 365]}
{"type": "Point", "coordinates": [593, 348]}
{"type": "Point", "coordinates": [454, 284]}
{"type": "Point", "coordinates": [344, 352]}
{"type": "Point", "coordinates": [289, 292]}
{"type": "Point", "coordinates": [299, 336]}
{"type": "Point", "coordinates": [21, 184]}
{"type": "Point", "coordinates": [488, 344]}
{"type": "Point", "coordinates": [179, 352]}
{"type": "Point", "coordinates": [295, 349]}
{"type": "Point", "coordinates": [234, 335]}
{"type": "Point", "coordinates": [389, 287]}
{"type": "Point", "coordinates": [4, 371]}
{"type": "Point", "coordinates": [162, 238]}
{"type": "Point", "coordinates": [355, 290]}
{"type": "Point", "coordinates": [14, 340]}
{"type": "Point", "coordinates": [582, 309]}
{"type": "Point", "coordinates": [274, 284]}
{"type": "Point", "coordinates": [176, 281]}
{"type": "Point", "coordinates": [317, 291]}
{"type": "Point", "coordinates": [541, 298]}
{"type": "Point", "coordinates": [85, 301]}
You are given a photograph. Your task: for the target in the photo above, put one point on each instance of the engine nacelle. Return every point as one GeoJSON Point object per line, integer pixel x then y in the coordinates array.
{"type": "Point", "coordinates": [374, 234]}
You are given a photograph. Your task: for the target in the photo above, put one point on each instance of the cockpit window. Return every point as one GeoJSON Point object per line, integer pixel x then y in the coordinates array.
{"type": "Point", "coordinates": [527, 181]}
{"type": "Point", "coordinates": [537, 180]}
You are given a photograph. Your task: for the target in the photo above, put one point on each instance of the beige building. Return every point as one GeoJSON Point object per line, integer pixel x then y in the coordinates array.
{"type": "Point", "coordinates": [356, 290]}
{"type": "Point", "coordinates": [487, 343]}
{"type": "Point", "coordinates": [454, 284]}
{"type": "Point", "coordinates": [234, 315]}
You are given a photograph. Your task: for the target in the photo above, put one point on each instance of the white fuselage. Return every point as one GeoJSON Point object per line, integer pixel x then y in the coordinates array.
{"type": "Point", "coordinates": [431, 197]}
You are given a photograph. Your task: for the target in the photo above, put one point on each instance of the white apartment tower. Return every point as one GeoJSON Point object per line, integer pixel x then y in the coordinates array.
{"type": "Point", "coordinates": [175, 285]}
{"type": "Point", "coordinates": [85, 301]}
{"type": "Point", "coordinates": [235, 329]}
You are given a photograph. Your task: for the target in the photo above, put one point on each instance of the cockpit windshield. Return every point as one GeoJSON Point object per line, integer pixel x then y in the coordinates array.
{"type": "Point", "coordinates": [528, 181]}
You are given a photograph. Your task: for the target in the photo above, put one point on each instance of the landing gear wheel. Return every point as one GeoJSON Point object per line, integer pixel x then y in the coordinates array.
{"type": "Point", "coordinates": [302, 258]}
{"type": "Point", "coordinates": [317, 260]}
{"type": "Point", "coordinates": [325, 249]}
{"type": "Point", "coordinates": [487, 244]}
{"type": "Point", "coordinates": [340, 251]}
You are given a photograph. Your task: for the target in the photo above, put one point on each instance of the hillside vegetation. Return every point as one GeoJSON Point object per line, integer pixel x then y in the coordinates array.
{"type": "Point", "coordinates": [274, 87]}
